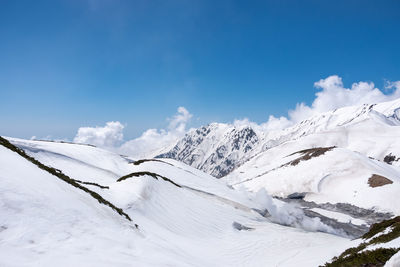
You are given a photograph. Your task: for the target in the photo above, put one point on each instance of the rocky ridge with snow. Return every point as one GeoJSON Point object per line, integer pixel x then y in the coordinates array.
{"type": "Point", "coordinates": [216, 148]}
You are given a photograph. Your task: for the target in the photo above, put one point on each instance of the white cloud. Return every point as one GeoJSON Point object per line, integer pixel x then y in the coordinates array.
{"type": "Point", "coordinates": [148, 144]}
{"type": "Point", "coordinates": [178, 122]}
{"type": "Point", "coordinates": [109, 136]}
{"type": "Point", "coordinates": [334, 95]}
{"type": "Point", "coordinates": [152, 140]}
{"type": "Point", "coordinates": [272, 124]}
{"type": "Point", "coordinates": [394, 86]}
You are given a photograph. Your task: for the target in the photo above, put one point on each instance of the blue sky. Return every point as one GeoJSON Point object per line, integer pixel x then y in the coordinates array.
{"type": "Point", "coordinates": [67, 64]}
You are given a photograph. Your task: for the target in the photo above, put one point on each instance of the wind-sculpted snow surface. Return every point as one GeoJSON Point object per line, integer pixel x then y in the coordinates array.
{"type": "Point", "coordinates": [195, 221]}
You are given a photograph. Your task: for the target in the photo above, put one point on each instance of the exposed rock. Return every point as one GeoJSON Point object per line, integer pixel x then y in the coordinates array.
{"type": "Point", "coordinates": [389, 159]}
{"type": "Point", "coordinates": [309, 154]}
{"type": "Point", "coordinates": [216, 149]}
{"type": "Point", "coordinates": [377, 180]}
{"type": "Point", "coordinates": [297, 195]}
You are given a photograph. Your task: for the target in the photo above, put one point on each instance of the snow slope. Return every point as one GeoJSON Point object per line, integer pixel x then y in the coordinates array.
{"type": "Point", "coordinates": [184, 217]}
{"type": "Point", "coordinates": [43, 220]}
{"type": "Point", "coordinates": [338, 176]}
{"type": "Point", "coordinates": [82, 162]}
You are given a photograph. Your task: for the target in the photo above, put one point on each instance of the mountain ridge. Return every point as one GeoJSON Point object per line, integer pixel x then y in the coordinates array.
{"type": "Point", "coordinates": [219, 148]}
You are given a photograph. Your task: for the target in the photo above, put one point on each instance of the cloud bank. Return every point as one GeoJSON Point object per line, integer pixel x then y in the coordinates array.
{"type": "Point", "coordinates": [334, 95]}
{"type": "Point", "coordinates": [109, 136]}
{"type": "Point", "coordinates": [152, 140]}
{"type": "Point", "coordinates": [148, 144]}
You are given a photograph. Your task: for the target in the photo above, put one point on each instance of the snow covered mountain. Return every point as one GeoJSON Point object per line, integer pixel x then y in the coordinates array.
{"type": "Point", "coordinates": [218, 149]}
{"type": "Point", "coordinates": [332, 177]}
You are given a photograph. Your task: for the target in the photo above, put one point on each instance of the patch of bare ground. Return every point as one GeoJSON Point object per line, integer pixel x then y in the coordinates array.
{"type": "Point", "coordinates": [389, 159]}
{"type": "Point", "coordinates": [309, 154]}
{"type": "Point", "coordinates": [377, 180]}
{"type": "Point", "coordinates": [140, 161]}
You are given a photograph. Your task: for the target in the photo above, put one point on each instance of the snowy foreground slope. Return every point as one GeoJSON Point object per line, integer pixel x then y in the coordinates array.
{"type": "Point", "coordinates": [179, 215]}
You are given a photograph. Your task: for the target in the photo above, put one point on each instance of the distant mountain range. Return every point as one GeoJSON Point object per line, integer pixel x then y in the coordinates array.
{"type": "Point", "coordinates": [219, 148]}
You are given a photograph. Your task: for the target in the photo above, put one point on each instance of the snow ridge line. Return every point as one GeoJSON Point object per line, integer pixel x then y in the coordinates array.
{"type": "Point", "coordinates": [94, 184]}
{"type": "Point", "coordinates": [59, 174]}
{"type": "Point", "coordinates": [152, 174]}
